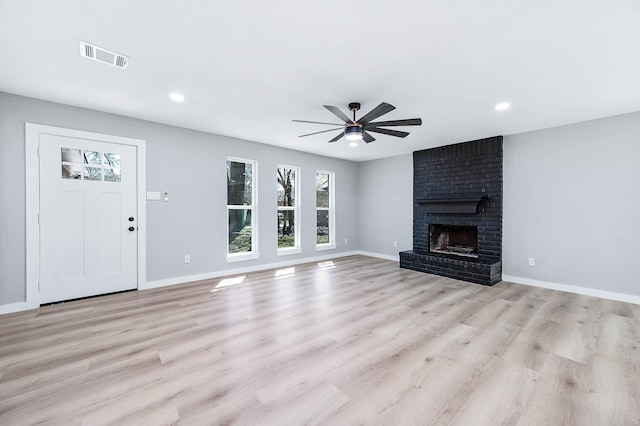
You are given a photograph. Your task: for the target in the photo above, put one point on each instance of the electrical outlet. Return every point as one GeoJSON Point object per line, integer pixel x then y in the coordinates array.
{"type": "Point", "coordinates": [395, 244]}
{"type": "Point", "coordinates": [532, 261]}
{"type": "Point", "coordinates": [346, 241]}
{"type": "Point", "coordinates": [187, 258]}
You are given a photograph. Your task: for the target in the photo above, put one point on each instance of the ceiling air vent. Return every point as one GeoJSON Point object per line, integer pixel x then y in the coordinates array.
{"type": "Point", "coordinates": [103, 55]}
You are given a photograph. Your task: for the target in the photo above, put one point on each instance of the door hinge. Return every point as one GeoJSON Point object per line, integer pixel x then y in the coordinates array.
{"type": "Point", "coordinates": [38, 285]}
{"type": "Point", "coordinates": [38, 150]}
{"type": "Point", "coordinates": [38, 217]}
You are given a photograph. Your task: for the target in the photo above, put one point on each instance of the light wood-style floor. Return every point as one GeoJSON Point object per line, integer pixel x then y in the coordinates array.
{"type": "Point", "coordinates": [356, 341]}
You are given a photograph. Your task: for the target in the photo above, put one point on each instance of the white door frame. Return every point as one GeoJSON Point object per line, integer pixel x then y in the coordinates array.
{"type": "Point", "coordinates": [32, 163]}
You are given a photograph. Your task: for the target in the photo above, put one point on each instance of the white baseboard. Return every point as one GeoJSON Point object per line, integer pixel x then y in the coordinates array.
{"type": "Point", "coordinates": [380, 256]}
{"type": "Point", "coordinates": [13, 307]}
{"type": "Point", "coordinates": [629, 298]}
{"type": "Point", "coordinates": [236, 271]}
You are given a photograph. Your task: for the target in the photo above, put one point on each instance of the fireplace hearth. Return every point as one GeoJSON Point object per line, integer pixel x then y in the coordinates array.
{"type": "Point", "coordinates": [457, 212]}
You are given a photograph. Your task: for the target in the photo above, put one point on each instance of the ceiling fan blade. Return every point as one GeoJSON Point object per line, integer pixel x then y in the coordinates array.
{"type": "Point", "coordinates": [317, 122]}
{"type": "Point", "coordinates": [406, 122]}
{"type": "Point", "coordinates": [367, 137]}
{"type": "Point", "coordinates": [381, 109]}
{"type": "Point", "coordinates": [338, 113]}
{"type": "Point", "coordinates": [337, 138]}
{"type": "Point", "coordinates": [322, 131]}
{"type": "Point", "coordinates": [396, 133]}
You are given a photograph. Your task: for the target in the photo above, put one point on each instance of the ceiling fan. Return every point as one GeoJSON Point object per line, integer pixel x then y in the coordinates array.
{"type": "Point", "coordinates": [355, 130]}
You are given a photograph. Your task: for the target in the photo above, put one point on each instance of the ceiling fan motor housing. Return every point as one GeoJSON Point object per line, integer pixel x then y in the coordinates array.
{"type": "Point", "coordinates": [353, 132]}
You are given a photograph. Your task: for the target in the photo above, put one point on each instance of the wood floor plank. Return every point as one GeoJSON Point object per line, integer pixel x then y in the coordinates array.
{"type": "Point", "coordinates": [310, 407]}
{"type": "Point", "coordinates": [364, 407]}
{"type": "Point", "coordinates": [533, 346]}
{"type": "Point", "coordinates": [355, 340]}
{"type": "Point", "coordinates": [564, 396]}
{"type": "Point", "coordinates": [618, 308]}
{"type": "Point", "coordinates": [578, 336]}
{"type": "Point", "coordinates": [500, 399]}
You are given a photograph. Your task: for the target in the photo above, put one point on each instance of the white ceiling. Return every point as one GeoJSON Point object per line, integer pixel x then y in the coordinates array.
{"type": "Point", "coordinates": [248, 67]}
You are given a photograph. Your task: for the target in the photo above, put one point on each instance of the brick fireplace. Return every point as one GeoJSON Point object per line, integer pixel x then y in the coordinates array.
{"type": "Point", "coordinates": [457, 212]}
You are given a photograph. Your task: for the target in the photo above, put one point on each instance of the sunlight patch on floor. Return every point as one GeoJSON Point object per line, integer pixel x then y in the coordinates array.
{"type": "Point", "coordinates": [227, 282]}
{"type": "Point", "coordinates": [326, 265]}
{"type": "Point", "coordinates": [284, 273]}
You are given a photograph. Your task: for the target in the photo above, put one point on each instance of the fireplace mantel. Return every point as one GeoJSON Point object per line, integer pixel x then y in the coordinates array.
{"type": "Point", "coordinates": [451, 205]}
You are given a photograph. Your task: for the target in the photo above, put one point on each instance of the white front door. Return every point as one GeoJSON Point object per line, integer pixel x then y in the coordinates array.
{"type": "Point", "coordinates": [88, 218]}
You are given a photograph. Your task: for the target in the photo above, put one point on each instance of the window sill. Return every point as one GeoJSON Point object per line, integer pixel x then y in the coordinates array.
{"type": "Point", "coordinates": [241, 257]}
{"type": "Point", "coordinates": [321, 247]}
{"type": "Point", "coordinates": [289, 250]}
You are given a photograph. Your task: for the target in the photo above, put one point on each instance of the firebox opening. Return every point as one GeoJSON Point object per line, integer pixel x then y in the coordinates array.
{"type": "Point", "coordinates": [454, 240]}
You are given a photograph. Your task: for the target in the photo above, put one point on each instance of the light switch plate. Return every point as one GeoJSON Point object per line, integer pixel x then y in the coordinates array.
{"type": "Point", "coordinates": [153, 195]}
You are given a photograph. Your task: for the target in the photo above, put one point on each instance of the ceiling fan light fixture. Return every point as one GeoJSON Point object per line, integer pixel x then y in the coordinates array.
{"type": "Point", "coordinates": [353, 133]}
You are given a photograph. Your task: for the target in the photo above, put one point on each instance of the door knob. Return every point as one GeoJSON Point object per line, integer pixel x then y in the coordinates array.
{"type": "Point", "coordinates": [131, 228]}
{"type": "Point", "coordinates": [131, 219]}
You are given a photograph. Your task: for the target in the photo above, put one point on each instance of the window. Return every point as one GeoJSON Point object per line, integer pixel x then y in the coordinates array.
{"type": "Point", "coordinates": [242, 241]}
{"type": "Point", "coordinates": [288, 202]}
{"type": "Point", "coordinates": [90, 165]}
{"type": "Point", "coordinates": [325, 232]}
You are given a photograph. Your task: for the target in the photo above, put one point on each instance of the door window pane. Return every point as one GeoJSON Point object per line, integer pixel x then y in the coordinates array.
{"type": "Point", "coordinates": [92, 173]}
{"type": "Point", "coordinates": [71, 171]}
{"type": "Point", "coordinates": [111, 175]}
{"type": "Point", "coordinates": [70, 155]}
{"type": "Point", "coordinates": [71, 163]}
{"type": "Point", "coordinates": [112, 160]}
{"type": "Point", "coordinates": [93, 157]}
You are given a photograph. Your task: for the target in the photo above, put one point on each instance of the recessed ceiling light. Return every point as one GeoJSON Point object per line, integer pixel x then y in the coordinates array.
{"type": "Point", "coordinates": [176, 97]}
{"type": "Point", "coordinates": [502, 106]}
{"type": "Point", "coordinates": [353, 144]}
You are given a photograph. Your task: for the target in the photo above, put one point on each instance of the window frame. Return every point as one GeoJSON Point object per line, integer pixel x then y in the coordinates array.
{"type": "Point", "coordinates": [254, 253]}
{"type": "Point", "coordinates": [331, 209]}
{"type": "Point", "coordinates": [297, 248]}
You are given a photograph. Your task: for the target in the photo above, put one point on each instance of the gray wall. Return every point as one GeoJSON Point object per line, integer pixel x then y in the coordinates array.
{"type": "Point", "coordinates": [572, 202]}
{"type": "Point", "coordinates": [188, 164]}
{"type": "Point", "coordinates": [581, 180]}
{"type": "Point", "coordinates": [385, 200]}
